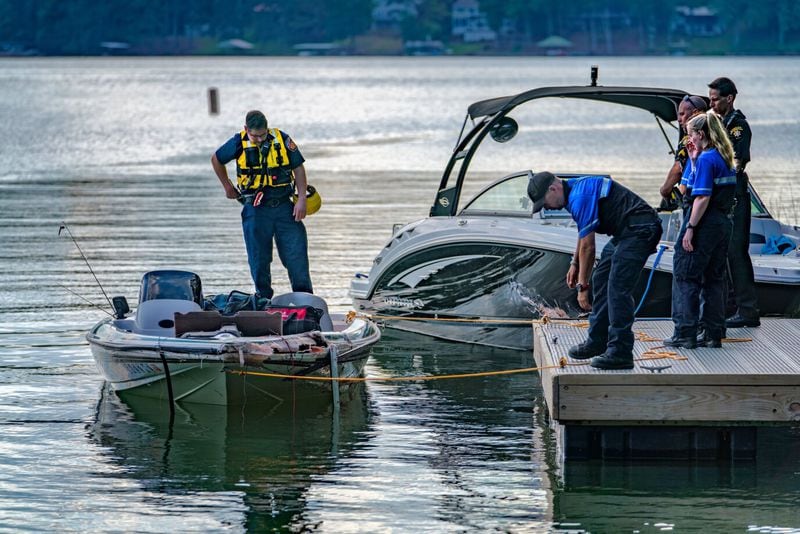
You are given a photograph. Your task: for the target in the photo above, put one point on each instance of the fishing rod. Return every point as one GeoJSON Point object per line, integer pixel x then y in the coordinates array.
{"type": "Point", "coordinates": [62, 286]}
{"type": "Point", "coordinates": [65, 227]}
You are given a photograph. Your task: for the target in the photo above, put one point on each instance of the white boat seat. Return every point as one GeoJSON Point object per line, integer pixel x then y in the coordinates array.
{"type": "Point", "coordinates": [306, 299]}
{"type": "Point", "coordinates": [157, 317]}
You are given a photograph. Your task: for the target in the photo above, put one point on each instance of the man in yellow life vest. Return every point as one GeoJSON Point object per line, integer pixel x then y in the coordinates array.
{"type": "Point", "coordinates": [269, 167]}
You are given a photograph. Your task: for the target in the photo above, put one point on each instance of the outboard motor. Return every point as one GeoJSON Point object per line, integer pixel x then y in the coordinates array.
{"type": "Point", "coordinates": [175, 285]}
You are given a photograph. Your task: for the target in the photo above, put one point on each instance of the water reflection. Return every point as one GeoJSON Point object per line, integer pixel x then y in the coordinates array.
{"type": "Point", "coordinates": [264, 460]}
{"type": "Point", "coordinates": [761, 495]}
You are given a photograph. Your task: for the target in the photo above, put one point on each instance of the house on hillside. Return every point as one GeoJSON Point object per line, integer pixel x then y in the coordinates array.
{"type": "Point", "coordinates": [469, 23]}
{"type": "Point", "coordinates": [701, 21]}
{"type": "Point", "coordinates": [389, 14]}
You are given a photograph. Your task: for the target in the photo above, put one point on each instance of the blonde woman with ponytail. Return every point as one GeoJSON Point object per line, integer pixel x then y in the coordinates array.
{"type": "Point", "coordinates": [701, 250]}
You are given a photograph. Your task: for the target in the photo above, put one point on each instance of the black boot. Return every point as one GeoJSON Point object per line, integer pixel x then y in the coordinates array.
{"type": "Point", "coordinates": [707, 340]}
{"type": "Point", "coordinates": [613, 361]}
{"type": "Point", "coordinates": [689, 342]}
{"type": "Point", "coordinates": [585, 350]}
{"type": "Point", "coordinates": [739, 321]}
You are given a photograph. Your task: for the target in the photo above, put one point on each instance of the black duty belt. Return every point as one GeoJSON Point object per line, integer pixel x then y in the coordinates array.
{"type": "Point", "coordinates": [249, 198]}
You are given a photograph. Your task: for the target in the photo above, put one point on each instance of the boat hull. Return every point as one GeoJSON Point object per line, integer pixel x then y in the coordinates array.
{"type": "Point", "coordinates": [229, 371]}
{"type": "Point", "coordinates": [477, 289]}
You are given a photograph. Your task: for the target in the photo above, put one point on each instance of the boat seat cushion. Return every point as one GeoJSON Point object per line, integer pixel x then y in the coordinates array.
{"type": "Point", "coordinates": [248, 323]}
{"type": "Point", "coordinates": [258, 323]}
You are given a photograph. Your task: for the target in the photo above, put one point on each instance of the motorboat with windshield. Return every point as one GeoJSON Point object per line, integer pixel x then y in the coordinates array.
{"type": "Point", "coordinates": [479, 271]}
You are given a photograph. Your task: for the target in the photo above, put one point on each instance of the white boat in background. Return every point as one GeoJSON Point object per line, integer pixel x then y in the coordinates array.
{"type": "Point", "coordinates": [480, 271]}
{"type": "Point", "coordinates": [172, 348]}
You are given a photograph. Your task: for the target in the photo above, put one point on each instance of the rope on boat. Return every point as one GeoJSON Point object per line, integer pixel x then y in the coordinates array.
{"type": "Point", "coordinates": [648, 355]}
{"type": "Point", "coordinates": [575, 323]}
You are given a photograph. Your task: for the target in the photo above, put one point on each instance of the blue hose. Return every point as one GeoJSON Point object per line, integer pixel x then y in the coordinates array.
{"type": "Point", "coordinates": [661, 250]}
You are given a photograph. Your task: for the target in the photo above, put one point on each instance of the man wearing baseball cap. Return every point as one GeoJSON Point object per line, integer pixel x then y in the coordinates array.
{"type": "Point", "coordinates": [598, 204]}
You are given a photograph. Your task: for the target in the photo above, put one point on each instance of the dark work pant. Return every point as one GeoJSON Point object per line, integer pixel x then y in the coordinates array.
{"type": "Point", "coordinates": [613, 281]}
{"type": "Point", "coordinates": [260, 226]}
{"type": "Point", "coordinates": [701, 275]}
{"type": "Point", "coordinates": [739, 264]}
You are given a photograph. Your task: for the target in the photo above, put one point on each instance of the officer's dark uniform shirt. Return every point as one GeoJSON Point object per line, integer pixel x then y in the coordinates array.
{"type": "Point", "coordinates": [740, 135]}
{"type": "Point", "coordinates": [232, 149]}
{"type": "Point", "coordinates": [681, 153]}
{"type": "Point", "coordinates": [598, 204]}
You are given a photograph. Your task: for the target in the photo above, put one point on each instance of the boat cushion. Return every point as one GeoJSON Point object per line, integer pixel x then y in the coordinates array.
{"type": "Point", "coordinates": [247, 323]}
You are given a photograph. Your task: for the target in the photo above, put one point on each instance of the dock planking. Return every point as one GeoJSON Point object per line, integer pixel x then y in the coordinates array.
{"type": "Point", "coordinates": [712, 398]}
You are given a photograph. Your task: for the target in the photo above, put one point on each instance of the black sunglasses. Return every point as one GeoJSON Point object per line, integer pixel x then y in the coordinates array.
{"type": "Point", "coordinates": [696, 101]}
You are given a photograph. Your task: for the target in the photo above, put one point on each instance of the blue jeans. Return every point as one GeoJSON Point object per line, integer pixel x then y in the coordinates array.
{"type": "Point", "coordinates": [613, 281]}
{"type": "Point", "coordinates": [262, 224]}
{"type": "Point", "coordinates": [699, 276]}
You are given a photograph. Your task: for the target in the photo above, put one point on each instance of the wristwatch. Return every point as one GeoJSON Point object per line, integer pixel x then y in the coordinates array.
{"type": "Point", "coordinates": [690, 226]}
{"type": "Point", "coordinates": [582, 287]}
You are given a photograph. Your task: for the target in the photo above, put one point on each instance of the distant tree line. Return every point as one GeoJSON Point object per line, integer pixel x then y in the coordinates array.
{"type": "Point", "coordinates": [67, 27]}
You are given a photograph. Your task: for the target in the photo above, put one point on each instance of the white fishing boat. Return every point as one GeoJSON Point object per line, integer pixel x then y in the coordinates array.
{"type": "Point", "coordinates": [174, 347]}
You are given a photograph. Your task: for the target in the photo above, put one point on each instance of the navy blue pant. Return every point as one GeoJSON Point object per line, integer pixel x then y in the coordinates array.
{"type": "Point", "coordinates": [613, 281]}
{"type": "Point", "coordinates": [262, 224]}
{"type": "Point", "coordinates": [700, 276]}
{"type": "Point", "coordinates": [739, 263]}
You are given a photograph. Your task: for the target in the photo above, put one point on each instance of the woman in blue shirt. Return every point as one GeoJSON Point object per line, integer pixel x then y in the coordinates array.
{"type": "Point", "coordinates": [702, 245]}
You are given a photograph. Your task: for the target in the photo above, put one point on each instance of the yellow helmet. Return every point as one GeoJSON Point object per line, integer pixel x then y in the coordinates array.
{"type": "Point", "coordinates": [313, 200]}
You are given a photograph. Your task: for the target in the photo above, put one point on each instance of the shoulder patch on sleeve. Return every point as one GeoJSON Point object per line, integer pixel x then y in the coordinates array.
{"type": "Point", "coordinates": [736, 132]}
{"type": "Point", "coordinates": [291, 146]}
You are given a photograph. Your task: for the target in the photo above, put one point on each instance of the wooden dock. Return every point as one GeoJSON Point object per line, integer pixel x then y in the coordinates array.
{"type": "Point", "coordinates": [700, 403]}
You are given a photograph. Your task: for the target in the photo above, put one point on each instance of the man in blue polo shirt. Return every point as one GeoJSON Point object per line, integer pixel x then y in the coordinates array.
{"type": "Point", "coordinates": [598, 204]}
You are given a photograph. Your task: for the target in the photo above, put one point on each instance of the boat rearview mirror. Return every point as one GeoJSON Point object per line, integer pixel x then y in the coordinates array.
{"type": "Point", "coordinates": [504, 130]}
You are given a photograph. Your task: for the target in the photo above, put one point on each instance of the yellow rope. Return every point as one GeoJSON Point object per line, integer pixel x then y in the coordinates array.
{"type": "Point", "coordinates": [562, 362]}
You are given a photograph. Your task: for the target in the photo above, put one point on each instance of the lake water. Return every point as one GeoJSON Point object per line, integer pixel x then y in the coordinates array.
{"type": "Point", "coordinates": [120, 148]}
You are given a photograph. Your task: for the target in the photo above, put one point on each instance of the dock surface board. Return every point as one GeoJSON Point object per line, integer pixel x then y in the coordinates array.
{"type": "Point", "coordinates": [746, 382]}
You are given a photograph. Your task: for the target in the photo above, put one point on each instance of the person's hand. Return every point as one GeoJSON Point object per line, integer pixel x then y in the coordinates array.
{"type": "Point", "coordinates": [693, 150]}
{"type": "Point", "coordinates": [572, 276]}
{"type": "Point", "coordinates": [231, 192]}
{"type": "Point", "coordinates": [583, 300]}
{"type": "Point", "coordinates": [300, 209]}
{"type": "Point", "coordinates": [687, 240]}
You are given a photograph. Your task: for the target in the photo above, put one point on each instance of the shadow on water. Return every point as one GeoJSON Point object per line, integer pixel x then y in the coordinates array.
{"type": "Point", "coordinates": [403, 354]}
{"type": "Point", "coordinates": [266, 460]}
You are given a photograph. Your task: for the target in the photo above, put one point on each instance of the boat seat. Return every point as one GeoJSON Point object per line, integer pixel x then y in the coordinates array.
{"type": "Point", "coordinates": [258, 323]}
{"type": "Point", "coordinates": [247, 323]}
{"type": "Point", "coordinates": [156, 317]}
{"type": "Point", "coordinates": [306, 299]}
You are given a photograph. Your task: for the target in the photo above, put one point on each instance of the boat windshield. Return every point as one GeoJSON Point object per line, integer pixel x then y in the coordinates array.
{"type": "Point", "coordinates": [508, 196]}
{"type": "Point", "coordinates": [180, 285]}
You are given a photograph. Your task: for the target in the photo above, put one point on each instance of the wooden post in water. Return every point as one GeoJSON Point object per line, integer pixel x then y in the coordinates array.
{"type": "Point", "coordinates": [213, 101]}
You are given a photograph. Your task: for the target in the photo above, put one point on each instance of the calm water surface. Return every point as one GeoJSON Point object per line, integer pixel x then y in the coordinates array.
{"type": "Point", "coordinates": [119, 149]}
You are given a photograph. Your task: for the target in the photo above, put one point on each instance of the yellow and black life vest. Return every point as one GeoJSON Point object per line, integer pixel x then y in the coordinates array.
{"type": "Point", "coordinates": [254, 171]}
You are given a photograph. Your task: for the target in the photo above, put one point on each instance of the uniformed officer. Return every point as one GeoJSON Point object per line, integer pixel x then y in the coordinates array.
{"type": "Point", "coordinates": [598, 204]}
{"type": "Point", "coordinates": [722, 93]}
{"type": "Point", "coordinates": [698, 269]}
{"type": "Point", "coordinates": [269, 167]}
{"type": "Point", "coordinates": [690, 106]}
